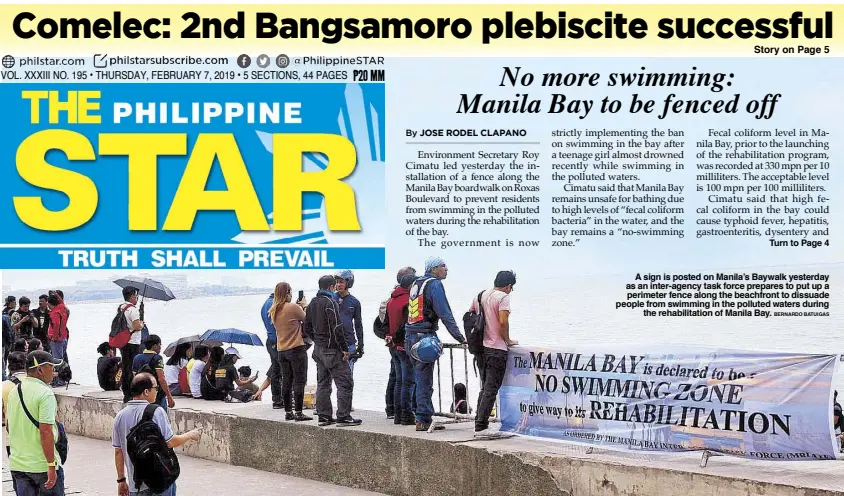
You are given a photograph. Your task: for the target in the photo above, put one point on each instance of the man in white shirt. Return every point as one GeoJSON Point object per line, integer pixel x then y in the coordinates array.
{"type": "Point", "coordinates": [128, 352]}
{"type": "Point", "coordinates": [200, 357]}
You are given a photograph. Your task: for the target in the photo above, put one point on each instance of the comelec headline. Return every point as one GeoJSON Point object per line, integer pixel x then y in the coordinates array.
{"type": "Point", "coordinates": [269, 25]}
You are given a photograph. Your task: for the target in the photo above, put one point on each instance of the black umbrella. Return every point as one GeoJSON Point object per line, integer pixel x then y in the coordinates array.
{"type": "Point", "coordinates": [147, 287]}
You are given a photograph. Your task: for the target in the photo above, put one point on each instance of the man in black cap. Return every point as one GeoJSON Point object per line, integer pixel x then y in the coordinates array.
{"type": "Point", "coordinates": [34, 462]}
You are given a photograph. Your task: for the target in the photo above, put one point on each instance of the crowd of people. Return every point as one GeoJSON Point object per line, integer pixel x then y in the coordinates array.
{"type": "Point", "coordinates": [330, 326]}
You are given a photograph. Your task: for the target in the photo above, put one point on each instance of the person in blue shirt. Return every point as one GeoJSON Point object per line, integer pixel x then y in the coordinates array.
{"type": "Point", "coordinates": [274, 374]}
{"type": "Point", "coordinates": [427, 297]}
{"type": "Point", "coordinates": [350, 315]}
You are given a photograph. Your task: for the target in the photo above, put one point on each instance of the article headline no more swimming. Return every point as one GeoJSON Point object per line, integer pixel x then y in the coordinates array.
{"type": "Point", "coordinates": [27, 25]}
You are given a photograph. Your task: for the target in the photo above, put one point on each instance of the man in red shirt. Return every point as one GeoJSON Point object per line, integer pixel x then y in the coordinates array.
{"type": "Point", "coordinates": [405, 385]}
{"type": "Point", "coordinates": [57, 332]}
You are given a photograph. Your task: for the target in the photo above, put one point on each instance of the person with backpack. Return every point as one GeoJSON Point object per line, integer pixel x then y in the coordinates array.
{"type": "Point", "coordinates": [35, 461]}
{"type": "Point", "coordinates": [143, 441]}
{"type": "Point", "coordinates": [396, 316]}
{"type": "Point", "coordinates": [427, 305]}
{"type": "Point", "coordinates": [151, 362]}
{"type": "Point", "coordinates": [492, 361]}
{"type": "Point", "coordinates": [128, 320]}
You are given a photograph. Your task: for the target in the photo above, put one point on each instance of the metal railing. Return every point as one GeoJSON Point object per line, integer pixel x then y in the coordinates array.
{"type": "Point", "coordinates": [454, 417]}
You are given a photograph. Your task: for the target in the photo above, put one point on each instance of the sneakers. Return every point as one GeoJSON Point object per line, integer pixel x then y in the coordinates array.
{"type": "Point", "coordinates": [396, 419]}
{"type": "Point", "coordinates": [420, 427]}
{"type": "Point", "coordinates": [481, 428]}
{"type": "Point", "coordinates": [277, 406]}
{"type": "Point", "coordinates": [408, 420]}
{"type": "Point", "coordinates": [325, 420]}
{"type": "Point", "coordinates": [301, 417]}
{"type": "Point", "coordinates": [289, 416]}
{"type": "Point", "coordinates": [348, 422]}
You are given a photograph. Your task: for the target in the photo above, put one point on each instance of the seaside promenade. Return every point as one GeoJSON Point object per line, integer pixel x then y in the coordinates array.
{"type": "Point", "coordinates": [90, 472]}
{"type": "Point", "coordinates": [381, 457]}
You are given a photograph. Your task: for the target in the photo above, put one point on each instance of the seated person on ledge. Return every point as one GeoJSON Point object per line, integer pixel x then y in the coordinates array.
{"type": "Point", "coordinates": [108, 368]}
{"type": "Point", "coordinates": [245, 374]}
{"type": "Point", "coordinates": [227, 377]}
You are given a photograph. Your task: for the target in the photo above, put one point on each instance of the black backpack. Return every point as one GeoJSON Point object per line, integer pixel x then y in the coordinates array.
{"type": "Point", "coordinates": [381, 328]}
{"type": "Point", "coordinates": [156, 464]}
{"type": "Point", "coordinates": [474, 324]}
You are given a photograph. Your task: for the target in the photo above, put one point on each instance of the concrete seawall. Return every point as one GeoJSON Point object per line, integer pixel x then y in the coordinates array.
{"type": "Point", "coordinates": [380, 456]}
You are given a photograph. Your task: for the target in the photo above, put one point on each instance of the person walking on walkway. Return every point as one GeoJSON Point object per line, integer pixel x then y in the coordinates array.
{"type": "Point", "coordinates": [331, 354]}
{"type": "Point", "coordinates": [31, 416]}
{"type": "Point", "coordinates": [492, 362]}
{"type": "Point", "coordinates": [428, 305]}
{"type": "Point", "coordinates": [144, 389]}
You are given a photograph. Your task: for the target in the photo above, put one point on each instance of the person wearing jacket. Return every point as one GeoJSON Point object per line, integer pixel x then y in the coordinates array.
{"type": "Point", "coordinates": [8, 339]}
{"type": "Point", "coordinates": [428, 295]}
{"type": "Point", "coordinates": [274, 375]}
{"type": "Point", "coordinates": [403, 390]}
{"type": "Point", "coordinates": [58, 327]}
{"type": "Point", "coordinates": [350, 315]}
{"type": "Point", "coordinates": [331, 354]}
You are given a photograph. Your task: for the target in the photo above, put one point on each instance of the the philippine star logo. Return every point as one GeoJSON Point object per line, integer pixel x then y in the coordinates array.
{"type": "Point", "coordinates": [367, 180]}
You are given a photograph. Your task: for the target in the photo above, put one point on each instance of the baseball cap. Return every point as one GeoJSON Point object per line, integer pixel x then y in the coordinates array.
{"type": "Point", "coordinates": [38, 358]}
{"type": "Point", "coordinates": [231, 350]}
{"type": "Point", "coordinates": [10, 299]}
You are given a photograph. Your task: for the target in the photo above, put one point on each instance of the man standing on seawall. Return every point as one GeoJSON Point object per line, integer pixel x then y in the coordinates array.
{"type": "Point", "coordinates": [323, 326]}
{"type": "Point", "coordinates": [272, 348]}
{"type": "Point", "coordinates": [428, 305]}
{"type": "Point", "coordinates": [492, 363]}
{"type": "Point", "coordinates": [133, 347]}
{"type": "Point", "coordinates": [350, 315]}
{"type": "Point", "coordinates": [58, 328]}
{"type": "Point", "coordinates": [42, 318]}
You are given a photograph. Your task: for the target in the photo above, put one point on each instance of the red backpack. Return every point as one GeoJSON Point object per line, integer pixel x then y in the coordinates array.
{"type": "Point", "coordinates": [120, 332]}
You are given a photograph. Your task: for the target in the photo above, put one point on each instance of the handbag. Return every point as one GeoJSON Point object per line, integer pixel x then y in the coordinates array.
{"type": "Point", "coordinates": [61, 442]}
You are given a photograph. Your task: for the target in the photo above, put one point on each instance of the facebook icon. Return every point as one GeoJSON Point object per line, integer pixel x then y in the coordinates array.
{"type": "Point", "coordinates": [243, 61]}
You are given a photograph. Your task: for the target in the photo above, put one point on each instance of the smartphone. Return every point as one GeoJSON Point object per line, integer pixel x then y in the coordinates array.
{"type": "Point", "coordinates": [301, 295]}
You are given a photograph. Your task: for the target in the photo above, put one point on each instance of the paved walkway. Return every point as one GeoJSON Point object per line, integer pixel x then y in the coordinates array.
{"type": "Point", "coordinates": [90, 472]}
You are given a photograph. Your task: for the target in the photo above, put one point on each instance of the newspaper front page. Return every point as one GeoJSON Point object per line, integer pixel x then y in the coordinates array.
{"type": "Point", "coordinates": [639, 200]}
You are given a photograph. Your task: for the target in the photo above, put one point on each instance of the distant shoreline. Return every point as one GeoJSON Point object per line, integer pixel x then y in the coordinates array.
{"type": "Point", "coordinates": [116, 297]}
